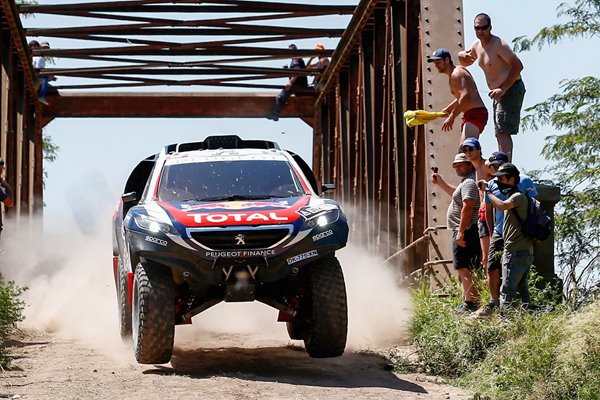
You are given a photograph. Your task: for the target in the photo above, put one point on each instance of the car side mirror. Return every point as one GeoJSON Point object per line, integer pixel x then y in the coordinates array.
{"type": "Point", "coordinates": [129, 197]}
{"type": "Point", "coordinates": [327, 187]}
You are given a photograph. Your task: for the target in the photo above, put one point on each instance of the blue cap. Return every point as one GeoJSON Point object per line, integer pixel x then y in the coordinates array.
{"type": "Point", "coordinates": [498, 158]}
{"type": "Point", "coordinates": [471, 142]}
{"type": "Point", "coordinates": [439, 54]}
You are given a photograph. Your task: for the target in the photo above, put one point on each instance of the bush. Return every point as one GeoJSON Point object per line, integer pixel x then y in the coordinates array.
{"type": "Point", "coordinates": [447, 345]}
{"type": "Point", "coordinates": [543, 354]}
{"type": "Point", "coordinates": [552, 356]}
{"type": "Point", "coordinates": [11, 309]}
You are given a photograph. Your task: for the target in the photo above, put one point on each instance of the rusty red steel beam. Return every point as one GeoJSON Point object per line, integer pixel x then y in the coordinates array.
{"type": "Point", "coordinates": [175, 22]}
{"type": "Point", "coordinates": [348, 40]}
{"type": "Point", "coordinates": [168, 105]}
{"type": "Point", "coordinates": [169, 51]}
{"type": "Point", "coordinates": [201, 70]}
{"type": "Point", "coordinates": [149, 30]}
{"type": "Point", "coordinates": [223, 6]}
{"type": "Point", "coordinates": [162, 44]}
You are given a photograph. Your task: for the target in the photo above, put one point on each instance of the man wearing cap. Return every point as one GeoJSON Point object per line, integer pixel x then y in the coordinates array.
{"type": "Point", "coordinates": [5, 192]}
{"type": "Point", "coordinates": [472, 150]}
{"type": "Point", "coordinates": [495, 221]}
{"type": "Point", "coordinates": [462, 221]}
{"type": "Point", "coordinates": [502, 69]}
{"type": "Point", "coordinates": [517, 255]}
{"type": "Point", "coordinates": [320, 64]}
{"type": "Point", "coordinates": [295, 83]}
{"type": "Point", "coordinates": [467, 99]}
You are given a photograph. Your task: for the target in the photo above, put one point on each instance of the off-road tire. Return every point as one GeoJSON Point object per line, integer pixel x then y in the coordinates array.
{"type": "Point", "coordinates": [153, 314]}
{"type": "Point", "coordinates": [328, 330]}
{"type": "Point", "coordinates": [297, 330]}
{"type": "Point", "coordinates": [123, 302]}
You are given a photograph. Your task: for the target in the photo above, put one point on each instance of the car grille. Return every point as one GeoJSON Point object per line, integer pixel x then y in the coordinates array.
{"type": "Point", "coordinates": [228, 239]}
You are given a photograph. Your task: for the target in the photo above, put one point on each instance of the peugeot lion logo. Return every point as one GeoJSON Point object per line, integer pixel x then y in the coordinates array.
{"type": "Point", "coordinates": [240, 240]}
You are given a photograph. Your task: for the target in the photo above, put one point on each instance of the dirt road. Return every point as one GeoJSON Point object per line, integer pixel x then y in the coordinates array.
{"type": "Point", "coordinates": [51, 367]}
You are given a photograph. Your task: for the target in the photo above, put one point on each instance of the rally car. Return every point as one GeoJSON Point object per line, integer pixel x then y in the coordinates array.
{"type": "Point", "coordinates": [231, 220]}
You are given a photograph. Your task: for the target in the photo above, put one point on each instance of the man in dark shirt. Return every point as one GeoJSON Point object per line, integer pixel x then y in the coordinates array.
{"type": "Point", "coordinates": [295, 83]}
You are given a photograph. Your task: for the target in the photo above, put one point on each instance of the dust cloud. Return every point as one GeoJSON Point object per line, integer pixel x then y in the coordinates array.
{"type": "Point", "coordinates": [69, 275]}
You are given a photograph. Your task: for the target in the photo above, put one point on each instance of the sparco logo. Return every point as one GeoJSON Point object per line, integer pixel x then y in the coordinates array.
{"type": "Point", "coordinates": [156, 240]}
{"type": "Point", "coordinates": [303, 256]}
{"type": "Point", "coordinates": [322, 235]}
{"type": "Point", "coordinates": [240, 239]}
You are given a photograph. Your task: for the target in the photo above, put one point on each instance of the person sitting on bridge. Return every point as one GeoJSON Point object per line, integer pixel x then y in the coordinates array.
{"type": "Point", "coordinates": [320, 64]}
{"type": "Point", "coordinates": [39, 63]}
{"type": "Point", "coordinates": [296, 82]}
{"type": "Point", "coordinates": [468, 101]}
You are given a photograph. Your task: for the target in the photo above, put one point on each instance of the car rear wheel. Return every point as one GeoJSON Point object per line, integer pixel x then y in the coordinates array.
{"type": "Point", "coordinates": [153, 315]}
{"type": "Point", "coordinates": [328, 329]}
{"type": "Point", "coordinates": [124, 304]}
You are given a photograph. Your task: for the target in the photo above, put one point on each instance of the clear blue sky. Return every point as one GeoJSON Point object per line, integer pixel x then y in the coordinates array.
{"type": "Point", "coordinates": [96, 155]}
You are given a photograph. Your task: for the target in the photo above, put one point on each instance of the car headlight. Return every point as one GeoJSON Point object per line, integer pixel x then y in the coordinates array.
{"type": "Point", "coordinates": [154, 226]}
{"type": "Point", "coordinates": [323, 218]}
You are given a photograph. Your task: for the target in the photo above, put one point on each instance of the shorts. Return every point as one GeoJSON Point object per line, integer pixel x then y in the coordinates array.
{"type": "Point", "coordinates": [483, 229]}
{"type": "Point", "coordinates": [470, 255]}
{"type": "Point", "coordinates": [477, 116]}
{"type": "Point", "coordinates": [496, 250]}
{"type": "Point", "coordinates": [507, 109]}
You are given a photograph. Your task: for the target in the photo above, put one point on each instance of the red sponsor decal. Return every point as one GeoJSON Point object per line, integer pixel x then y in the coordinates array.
{"type": "Point", "coordinates": [273, 214]}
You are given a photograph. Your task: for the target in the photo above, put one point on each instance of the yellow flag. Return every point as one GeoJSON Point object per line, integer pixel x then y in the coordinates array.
{"type": "Point", "coordinates": [420, 117]}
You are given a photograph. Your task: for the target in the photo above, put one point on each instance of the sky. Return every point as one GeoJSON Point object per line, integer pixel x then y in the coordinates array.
{"type": "Point", "coordinates": [97, 155]}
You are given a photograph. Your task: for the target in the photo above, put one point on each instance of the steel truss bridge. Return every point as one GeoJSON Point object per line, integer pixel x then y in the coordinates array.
{"type": "Point", "coordinates": [235, 48]}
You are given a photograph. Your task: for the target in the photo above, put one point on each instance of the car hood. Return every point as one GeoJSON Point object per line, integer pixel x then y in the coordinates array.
{"type": "Point", "coordinates": [239, 212]}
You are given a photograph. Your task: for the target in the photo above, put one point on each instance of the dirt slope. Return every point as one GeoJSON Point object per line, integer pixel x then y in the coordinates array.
{"type": "Point", "coordinates": [215, 366]}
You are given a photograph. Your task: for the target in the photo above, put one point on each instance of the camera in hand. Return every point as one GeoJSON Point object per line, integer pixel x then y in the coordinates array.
{"type": "Point", "coordinates": [481, 184]}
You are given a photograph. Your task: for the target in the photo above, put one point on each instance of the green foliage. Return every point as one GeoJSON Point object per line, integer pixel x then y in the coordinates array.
{"type": "Point", "coordinates": [513, 355]}
{"type": "Point", "coordinates": [447, 345]}
{"type": "Point", "coordinates": [11, 310]}
{"type": "Point", "coordinates": [552, 356]}
{"type": "Point", "coordinates": [574, 152]}
{"type": "Point", "coordinates": [50, 151]}
{"type": "Point", "coordinates": [584, 21]}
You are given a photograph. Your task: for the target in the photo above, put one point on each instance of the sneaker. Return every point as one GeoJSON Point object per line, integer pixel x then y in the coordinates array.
{"type": "Point", "coordinates": [487, 310]}
{"type": "Point", "coordinates": [43, 100]}
{"type": "Point", "coordinates": [273, 117]}
{"type": "Point", "coordinates": [465, 308]}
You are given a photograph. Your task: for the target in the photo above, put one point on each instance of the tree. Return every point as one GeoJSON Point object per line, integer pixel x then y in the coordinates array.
{"type": "Point", "coordinates": [574, 151]}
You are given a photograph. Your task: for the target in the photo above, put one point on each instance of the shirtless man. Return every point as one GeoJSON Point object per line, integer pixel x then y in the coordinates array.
{"type": "Point", "coordinates": [502, 69]}
{"type": "Point", "coordinates": [467, 100]}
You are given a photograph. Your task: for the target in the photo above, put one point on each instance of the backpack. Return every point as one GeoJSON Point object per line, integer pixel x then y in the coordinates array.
{"type": "Point", "coordinates": [537, 224]}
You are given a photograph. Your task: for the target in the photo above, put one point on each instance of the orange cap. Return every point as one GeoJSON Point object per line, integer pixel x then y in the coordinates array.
{"type": "Point", "coordinates": [319, 46]}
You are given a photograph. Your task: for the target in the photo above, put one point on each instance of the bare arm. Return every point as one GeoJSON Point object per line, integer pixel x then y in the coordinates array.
{"type": "Point", "coordinates": [450, 107]}
{"type": "Point", "coordinates": [489, 217]}
{"type": "Point", "coordinates": [467, 57]}
{"type": "Point", "coordinates": [465, 214]}
{"type": "Point", "coordinates": [438, 180]}
{"type": "Point", "coordinates": [501, 205]}
{"type": "Point", "coordinates": [458, 85]}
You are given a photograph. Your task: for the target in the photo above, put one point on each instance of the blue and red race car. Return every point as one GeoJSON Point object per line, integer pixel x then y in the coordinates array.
{"type": "Point", "coordinates": [229, 220]}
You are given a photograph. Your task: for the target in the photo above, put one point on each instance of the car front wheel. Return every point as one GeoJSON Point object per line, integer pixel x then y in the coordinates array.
{"type": "Point", "coordinates": [153, 315]}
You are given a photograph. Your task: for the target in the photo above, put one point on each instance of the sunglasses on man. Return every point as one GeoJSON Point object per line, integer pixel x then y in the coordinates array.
{"type": "Point", "coordinates": [481, 28]}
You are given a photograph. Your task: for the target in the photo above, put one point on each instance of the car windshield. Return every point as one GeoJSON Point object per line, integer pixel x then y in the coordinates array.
{"type": "Point", "coordinates": [229, 180]}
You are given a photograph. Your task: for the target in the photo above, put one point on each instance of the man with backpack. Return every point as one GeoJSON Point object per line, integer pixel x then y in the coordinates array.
{"type": "Point", "coordinates": [517, 255]}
